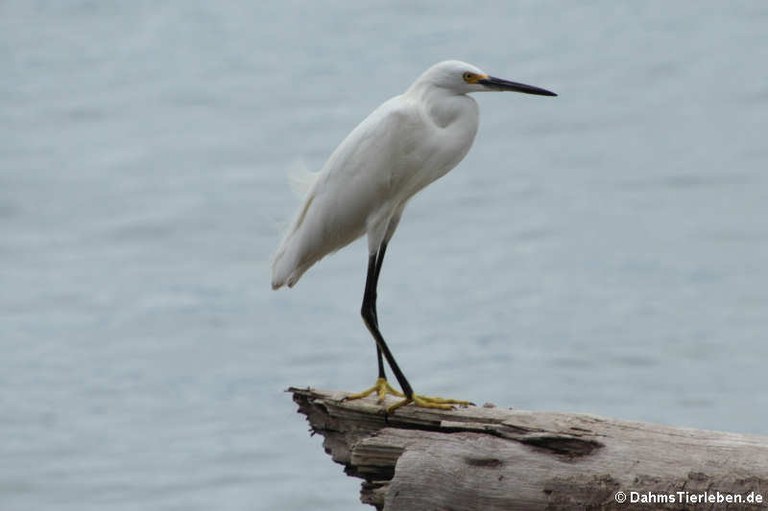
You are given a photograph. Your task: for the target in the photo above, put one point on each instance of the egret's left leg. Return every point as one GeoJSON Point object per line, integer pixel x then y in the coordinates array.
{"type": "Point", "coordinates": [381, 388]}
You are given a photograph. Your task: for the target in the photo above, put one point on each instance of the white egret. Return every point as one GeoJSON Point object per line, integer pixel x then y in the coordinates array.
{"type": "Point", "coordinates": [405, 144]}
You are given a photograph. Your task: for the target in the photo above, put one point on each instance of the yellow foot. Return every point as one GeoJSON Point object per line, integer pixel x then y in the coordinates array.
{"type": "Point", "coordinates": [381, 388]}
{"type": "Point", "coordinates": [440, 403]}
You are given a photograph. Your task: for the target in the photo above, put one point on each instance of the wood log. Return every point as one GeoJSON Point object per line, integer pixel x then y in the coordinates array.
{"type": "Point", "coordinates": [488, 458]}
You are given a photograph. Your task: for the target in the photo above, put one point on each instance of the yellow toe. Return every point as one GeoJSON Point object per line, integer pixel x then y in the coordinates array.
{"type": "Point", "coordinates": [439, 403]}
{"type": "Point", "coordinates": [381, 388]}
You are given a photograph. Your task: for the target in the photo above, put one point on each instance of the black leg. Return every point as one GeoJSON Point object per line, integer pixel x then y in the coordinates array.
{"type": "Point", "coordinates": [368, 312]}
{"type": "Point", "coordinates": [377, 271]}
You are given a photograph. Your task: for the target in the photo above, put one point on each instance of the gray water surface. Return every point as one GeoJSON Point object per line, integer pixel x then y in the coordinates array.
{"type": "Point", "coordinates": [604, 251]}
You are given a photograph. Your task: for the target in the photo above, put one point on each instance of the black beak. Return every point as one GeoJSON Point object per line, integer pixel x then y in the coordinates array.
{"type": "Point", "coordinates": [499, 84]}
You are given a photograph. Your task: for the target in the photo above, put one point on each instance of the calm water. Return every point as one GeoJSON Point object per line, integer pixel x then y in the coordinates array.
{"type": "Point", "coordinates": [605, 251]}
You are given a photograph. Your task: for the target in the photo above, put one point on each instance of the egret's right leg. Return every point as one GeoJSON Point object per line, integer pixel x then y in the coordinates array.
{"type": "Point", "coordinates": [381, 388]}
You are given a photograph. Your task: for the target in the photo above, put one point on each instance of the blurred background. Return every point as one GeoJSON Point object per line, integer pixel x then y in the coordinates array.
{"type": "Point", "coordinates": [602, 252]}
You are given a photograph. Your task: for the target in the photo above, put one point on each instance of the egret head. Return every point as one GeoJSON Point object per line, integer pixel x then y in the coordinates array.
{"type": "Point", "coordinates": [462, 78]}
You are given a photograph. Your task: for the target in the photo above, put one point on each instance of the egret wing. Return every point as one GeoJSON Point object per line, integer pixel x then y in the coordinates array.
{"type": "Point", "coordinates": [362, 182]}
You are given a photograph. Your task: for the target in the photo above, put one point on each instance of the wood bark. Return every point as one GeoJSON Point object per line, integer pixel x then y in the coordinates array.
{"type": "Point", "coordinates": [487, 458]}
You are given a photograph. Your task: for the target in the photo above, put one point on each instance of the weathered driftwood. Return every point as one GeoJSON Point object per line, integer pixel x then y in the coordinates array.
{"type": "Point", "coordinates": [484, 458]}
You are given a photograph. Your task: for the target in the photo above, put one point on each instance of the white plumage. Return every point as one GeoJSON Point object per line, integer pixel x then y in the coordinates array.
{"type": "Point", "coordinates": [401, 147]}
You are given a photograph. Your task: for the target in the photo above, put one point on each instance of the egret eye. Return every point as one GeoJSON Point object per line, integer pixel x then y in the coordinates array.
{"type": "Point", "coordinates": [469, 77]}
